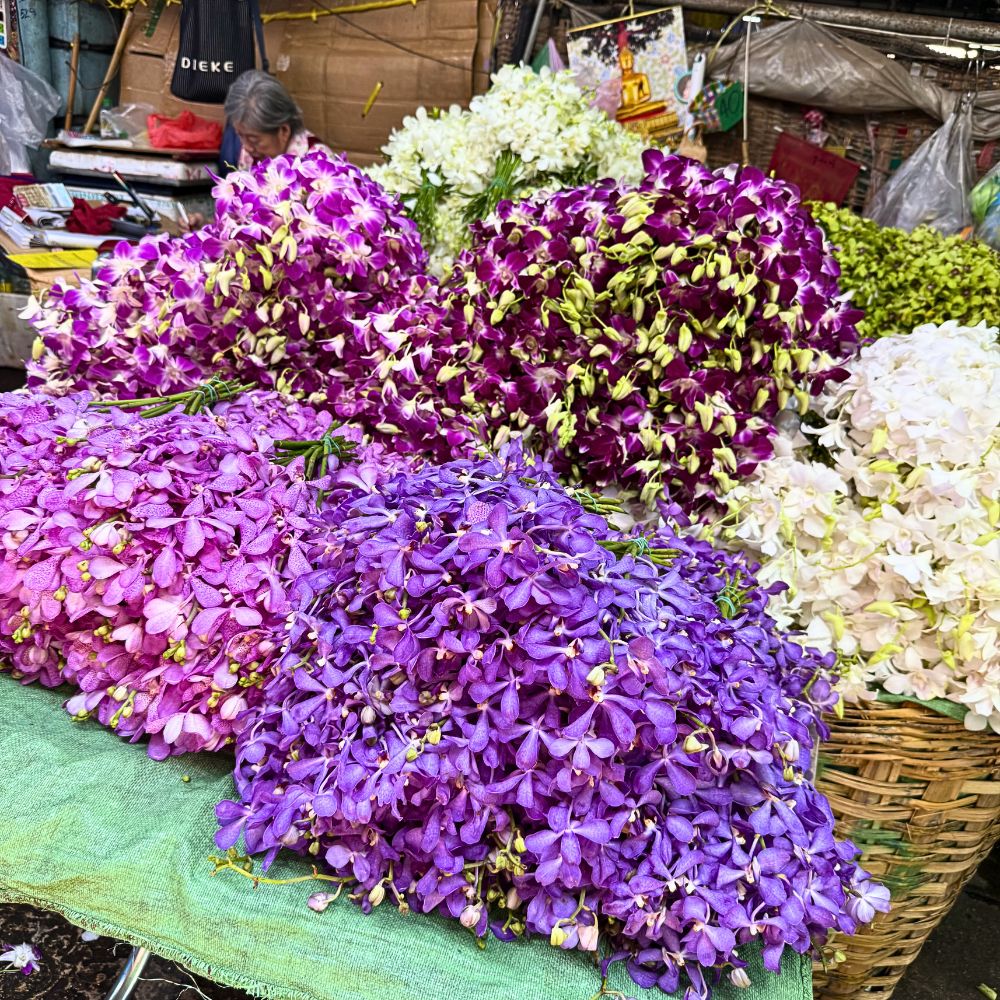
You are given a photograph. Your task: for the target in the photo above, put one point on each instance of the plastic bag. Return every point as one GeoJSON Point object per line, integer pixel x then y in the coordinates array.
{"type": "Point", "coordinates": [186, 131]}
{"type": "Point", "coordinates": [27, 105]}
{"type": "Point", "coordinates": [985, 194]}
{"type": "Point", "coordinates": [932, 187]}
{"type": "Point", "coordinates": [984, 203]}
{"type": "Point", "coordinates": [607, 96]}
{"type": "Point", "coordinates": [549, 56]}
{"type": "Point", "coordinates": [129, 120]}
{"type": "Point", "coordinates": [989, 229]}
{"type": "Point", "coordinates": [719, 106]}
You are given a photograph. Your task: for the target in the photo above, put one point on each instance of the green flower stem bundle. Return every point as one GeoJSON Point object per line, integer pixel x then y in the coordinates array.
{"type": "Point", "coordinates": [904, 280]}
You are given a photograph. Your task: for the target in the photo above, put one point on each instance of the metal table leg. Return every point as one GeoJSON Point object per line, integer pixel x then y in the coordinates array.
{"type": "Point", "coordinates": [130, 975]}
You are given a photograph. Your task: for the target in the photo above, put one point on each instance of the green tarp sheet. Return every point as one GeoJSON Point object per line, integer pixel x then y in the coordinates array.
{"type": "Point", "coordinates": [93, 829]}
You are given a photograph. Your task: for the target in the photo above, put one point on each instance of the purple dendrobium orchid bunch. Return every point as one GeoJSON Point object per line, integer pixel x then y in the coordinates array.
{"type": "Point", "coordinates": [651, 334]}
{"type": "Point", "coordinates": [146, 561]}
{"type": "Point", "coordinates": [310, 280]}
{"type": "Point", "coordinates": [645, 337]}
{"type": "Point", "coordinates": [495, 707]}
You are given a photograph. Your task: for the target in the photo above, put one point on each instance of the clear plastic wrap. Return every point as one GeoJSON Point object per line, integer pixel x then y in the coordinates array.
{"type": "Point", "coordinates": [129, 119]}
{"type": "Point", "coordinates": [27, 105]}
{"type": "Point", "coordinates": [932, 187]}
{"type": "Point", "coordinates": [807, 63]}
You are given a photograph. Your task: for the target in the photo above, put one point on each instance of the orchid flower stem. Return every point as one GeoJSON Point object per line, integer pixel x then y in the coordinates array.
{"type": "Point", "coordinates": [317, 454]}
{"type": "Point", "coordinates": [194, 400]}
{"type": "Point", "coordinates": [228, 865]}
{"type": "Point", "coordinates": [605, 992]}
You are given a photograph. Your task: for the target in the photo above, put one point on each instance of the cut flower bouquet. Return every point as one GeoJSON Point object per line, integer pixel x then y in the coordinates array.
{"type": "Point", "coordinates": [529, 132]}
{"type": "Point", "coordinates": [891, 551]}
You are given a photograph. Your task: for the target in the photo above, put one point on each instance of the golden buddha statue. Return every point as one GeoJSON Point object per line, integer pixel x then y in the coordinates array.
{"type": "Point", "coordinates": [637, 110]}
{"type": "Point", "coordinates": [635, 87]}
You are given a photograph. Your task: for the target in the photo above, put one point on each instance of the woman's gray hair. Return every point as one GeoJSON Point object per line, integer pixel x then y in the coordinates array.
{"type": "Point", "coordinates": [257, 101]}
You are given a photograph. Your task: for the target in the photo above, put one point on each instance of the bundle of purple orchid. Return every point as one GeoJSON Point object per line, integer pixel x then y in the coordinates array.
{"type": "Point", "coordinates": [446, 675]}
{"type": "Point", "coordinates": [644, 336]}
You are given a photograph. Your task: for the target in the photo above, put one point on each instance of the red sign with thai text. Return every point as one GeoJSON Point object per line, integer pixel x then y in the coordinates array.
{"type": "Point", "coordinates": [818, 174]}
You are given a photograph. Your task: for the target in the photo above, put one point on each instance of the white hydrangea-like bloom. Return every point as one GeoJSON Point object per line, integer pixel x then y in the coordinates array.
{"type": "Point", "coordinates": [544, 119]}
{"type": "Point", "coordinates": [892, 557]}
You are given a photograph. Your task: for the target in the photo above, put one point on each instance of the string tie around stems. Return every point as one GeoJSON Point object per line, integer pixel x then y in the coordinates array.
{"type": "Point", "coordinates": [317, 454]}
{"type": "Point", "coordinates": [201, 397]}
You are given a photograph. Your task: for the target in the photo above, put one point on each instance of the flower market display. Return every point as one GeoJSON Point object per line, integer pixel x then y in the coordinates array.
{"type": "Point", "coordinates": [146, 558]}
{"type": "Point", "coordinates": [609, 321]}
{"type": "Point", "coordinates": [495, 707]}
{"type": "Point", "coordinates": [649, 335]}
{"type": "Point", "coordinates": [275, 486]}
{"type": "Point", "coordinates": [529, 132]}
{"type": "Point", "coordinates": [891, 552]}
{"type": "Point", "coordinates": [903, 280]}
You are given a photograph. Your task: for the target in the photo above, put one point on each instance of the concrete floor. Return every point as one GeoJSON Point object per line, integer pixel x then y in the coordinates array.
{"type": "Point", "coordinates": [961, 954]}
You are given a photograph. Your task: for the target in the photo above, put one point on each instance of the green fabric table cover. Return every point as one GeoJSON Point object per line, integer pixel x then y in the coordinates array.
{"type": "Point", "coordinates": [93, 829]}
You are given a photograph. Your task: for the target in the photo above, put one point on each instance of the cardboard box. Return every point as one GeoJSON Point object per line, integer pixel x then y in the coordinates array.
{"type": "Point", "coordinates": [433, 53]}
{"type": "Point", "coordinates": [485, 45]}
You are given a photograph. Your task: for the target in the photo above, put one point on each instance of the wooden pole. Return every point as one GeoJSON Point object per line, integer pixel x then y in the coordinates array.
{"type": "Point", "coordinates": [74, 65]}
{"type": "Point", "coordinates": [850, 17]}
{"type": "Point", "coordinates": [745, 146]}
{"type": "Point", "coordinates": [112, 72]}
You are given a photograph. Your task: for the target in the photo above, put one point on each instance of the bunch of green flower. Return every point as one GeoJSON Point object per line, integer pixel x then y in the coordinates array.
{"type": "Point", "coordinates": [904, 280]}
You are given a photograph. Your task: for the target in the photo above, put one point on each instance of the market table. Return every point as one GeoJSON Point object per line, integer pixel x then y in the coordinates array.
{"type": "Point", "coordinates": [93, 829]}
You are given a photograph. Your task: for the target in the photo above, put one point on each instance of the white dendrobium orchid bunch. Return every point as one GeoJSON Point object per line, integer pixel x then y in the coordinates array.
{"type": "Point", "coordinates": [892, 556]}
{"type": "Point", "coordinates": [530, 132]}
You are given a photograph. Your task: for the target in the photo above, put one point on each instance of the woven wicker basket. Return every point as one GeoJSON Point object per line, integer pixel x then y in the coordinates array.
{"type": "Point", "coordinates": [510, 15]}
{"type": "Point", "coordinates": [920, 795]}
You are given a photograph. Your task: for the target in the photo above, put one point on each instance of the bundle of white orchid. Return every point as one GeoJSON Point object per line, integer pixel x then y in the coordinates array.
{"type": "Point", "coordinates": [530, 132]}
{"type": "Point", "coordinates": [892, 552]}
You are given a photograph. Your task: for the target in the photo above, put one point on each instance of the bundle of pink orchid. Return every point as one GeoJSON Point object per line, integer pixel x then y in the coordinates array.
{"type": "Point", "coordinates": [147, 551]}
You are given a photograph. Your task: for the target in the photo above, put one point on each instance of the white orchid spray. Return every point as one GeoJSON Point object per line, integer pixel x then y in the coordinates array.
{"type": "Point", "coordinates": [530, 132]}
{"type": "Point", "coordinates": [892, 555]}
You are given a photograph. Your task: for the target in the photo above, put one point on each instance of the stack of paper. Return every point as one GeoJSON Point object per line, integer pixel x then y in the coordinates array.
{"type": "Point", "coordinates": [45, 218]}
{"type": "Point", "coordinates": [82, 140]}
{"type": "Point", "coordinates": [14, 229]}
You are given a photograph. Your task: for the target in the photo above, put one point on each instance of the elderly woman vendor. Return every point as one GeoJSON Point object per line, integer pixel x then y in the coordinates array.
{"type": "Point", "coordinates": [267, 122]}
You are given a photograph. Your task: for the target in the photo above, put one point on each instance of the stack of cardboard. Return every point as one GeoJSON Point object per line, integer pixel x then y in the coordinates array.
{"type": "Point", "coordinates": [331, 65]}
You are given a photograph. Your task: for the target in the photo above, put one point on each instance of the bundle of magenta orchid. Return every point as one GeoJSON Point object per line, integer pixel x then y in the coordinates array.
{"type": "Point", "coordinates": [649, 337]}
{"type": "Point", "coordinates": [309, 278]}
{"type": "Point", "coordinates": [147, 554]}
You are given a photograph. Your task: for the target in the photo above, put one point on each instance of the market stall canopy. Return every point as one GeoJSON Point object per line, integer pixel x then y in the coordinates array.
{"type": "Point", "coordinates": [808, 63]}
